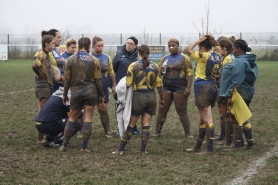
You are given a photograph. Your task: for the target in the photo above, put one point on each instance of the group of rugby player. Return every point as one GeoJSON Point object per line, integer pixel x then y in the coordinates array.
{"type": "Point", "coordinates": [67, 100]}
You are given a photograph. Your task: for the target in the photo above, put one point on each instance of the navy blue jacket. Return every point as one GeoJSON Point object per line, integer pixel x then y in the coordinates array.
{"type": "Point", "coordinates": [121, 61]}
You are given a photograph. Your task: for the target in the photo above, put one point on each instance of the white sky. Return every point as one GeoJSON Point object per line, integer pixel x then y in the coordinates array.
{"type": "Point", "coordinates": [129, 16]}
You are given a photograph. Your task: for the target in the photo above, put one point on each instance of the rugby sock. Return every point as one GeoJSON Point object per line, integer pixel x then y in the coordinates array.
{"type": "Point", "coordinates": [86, 134]}
{"type": "Point", "coordinates": [222, 126]}
{"type": "Point", "coordinates": [145, 138]}
{"type": "Point", "coordinates": [247, 131]}
{"type": "Point", "coordinates": [201, 137]}
{"type": "Point", "coordinates": [68, 133]}
{"type": "Point", "coordinates": [228, 133]}
{"type": "Point", "coordinates": [210, 136]}
{"type": "Point", "coordinates": [237, 134]}
{"type": "Point", "coordinates": [104, 118]}
{"type": "Point", "coordinates": [125, 138]}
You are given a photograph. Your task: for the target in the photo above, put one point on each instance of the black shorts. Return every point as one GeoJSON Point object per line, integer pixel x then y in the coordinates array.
{"type": "Point", "coordinates": [175, 86]}
{"type": "Point", "coordinates": [205, 94]}
{"type": "Point", "coordinates": [83, 96]}
{"type": "Point", "coordinates": [143, 102]}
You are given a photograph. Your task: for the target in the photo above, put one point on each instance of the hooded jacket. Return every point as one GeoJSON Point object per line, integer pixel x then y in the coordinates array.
{"type": "Point", "coordinates": [240, 74]}
{"type": "Point", "coordinates": [121, 61]}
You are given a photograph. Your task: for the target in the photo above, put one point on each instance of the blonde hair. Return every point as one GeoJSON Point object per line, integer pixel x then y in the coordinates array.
{"type": "Point", "coordinates": [173, 40]}
{"type": "Point", "coordinates": [69, 42]}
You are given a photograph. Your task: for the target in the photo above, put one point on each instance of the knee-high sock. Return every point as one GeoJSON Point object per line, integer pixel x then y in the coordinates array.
{"type": "Point", "coordinates": [247, 131]}
{"type": "Point", "coordinates": [237, 134]}
{"type": "Point", "coordinates": [125, 138]}
{"type": "Point", "coordinates": [222, 126]}
{"type": "Point", "coordinates": [86, 134]}
{"type": "Point", "coordinates": [68, 132]}
{"type": "Point", "coordinates": [210, 136]}
{"type": "Point", "coordinates": [228, 132]}
{"type": "Point", "coordinates": [159, 123]}
{"type": "Point", "coordinates": [201, 137]}
{"type": "Point", "coordinates": [104, 118]}
{"type": "Point", "coordinates": [145, 138]}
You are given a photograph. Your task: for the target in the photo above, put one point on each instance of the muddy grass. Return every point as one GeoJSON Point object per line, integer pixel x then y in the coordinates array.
{"type": "Point", "coordinates": [22, 161]}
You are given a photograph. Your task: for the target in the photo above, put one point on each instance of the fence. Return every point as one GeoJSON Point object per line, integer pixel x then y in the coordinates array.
{"type": "Point", "coordinates": [24, 46]}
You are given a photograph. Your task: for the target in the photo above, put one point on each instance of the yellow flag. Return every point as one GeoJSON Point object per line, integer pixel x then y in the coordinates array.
{"type": "Point", "coordinates": [239, 108]}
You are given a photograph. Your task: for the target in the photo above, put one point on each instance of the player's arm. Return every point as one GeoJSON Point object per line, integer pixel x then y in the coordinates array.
{"type": "Point", "coordinates": [189, 49]}
{"type": "Point", "coordinates": [111, 75]}
{"type": "Point", "coordinates": [97, 78]}
{"type": "Point", "coordinates": [189, 73]}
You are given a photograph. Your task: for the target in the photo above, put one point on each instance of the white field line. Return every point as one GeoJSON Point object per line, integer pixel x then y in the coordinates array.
{"type": "Point", "coordinates": [14, 92]}
{"type": "Point", "coordinates": [253, 168]}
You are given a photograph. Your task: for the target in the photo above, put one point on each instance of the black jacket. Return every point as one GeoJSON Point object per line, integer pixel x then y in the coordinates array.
{"type": "Point", "coordinates": [121, 61]}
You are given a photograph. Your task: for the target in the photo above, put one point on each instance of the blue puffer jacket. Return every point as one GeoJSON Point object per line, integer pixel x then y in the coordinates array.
{"type": "Point", "coordinates": [121, 61]}
{"type": "Point", "coordinates": [240, 74]}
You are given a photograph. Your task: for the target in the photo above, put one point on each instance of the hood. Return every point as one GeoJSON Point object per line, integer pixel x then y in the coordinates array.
{"type": "Point", "coordinates": [251, 59]}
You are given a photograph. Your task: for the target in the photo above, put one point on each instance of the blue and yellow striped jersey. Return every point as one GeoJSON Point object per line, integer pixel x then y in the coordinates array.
{"type": "Point", "coordinates": [105, 62]}
{"type": "Point", "coordinates": [208, 65]}
{"type": "Point", "coordinates": [143, 79]}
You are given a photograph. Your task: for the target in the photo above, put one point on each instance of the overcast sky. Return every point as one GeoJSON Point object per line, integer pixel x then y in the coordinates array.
{"type": "Point", "coordinates": [129, 16]}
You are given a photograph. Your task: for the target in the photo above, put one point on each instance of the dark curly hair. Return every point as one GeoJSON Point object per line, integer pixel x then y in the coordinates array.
{"type": "Point", "coordinates": [209, 42]}
{"type": "Point", "coordinates": [242, 44]}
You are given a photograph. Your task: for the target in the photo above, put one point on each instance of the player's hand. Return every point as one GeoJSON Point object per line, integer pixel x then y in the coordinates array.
{"type": "Point", "coordinates": [202, 38]}
{"type": "Point", "coordinates": [62, 78]}
{"type": "Point", "coordinates": [161, 104]}
{"type": "Point", "coordinates": [65, 99]}
{"type": "Point", "coordinates": [101, 101]}
{"type": "Point", "coordinates": [186, 92]}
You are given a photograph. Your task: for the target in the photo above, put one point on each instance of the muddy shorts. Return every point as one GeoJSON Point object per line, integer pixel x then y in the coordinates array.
{"type": "Point", "coordinates": [175, 86]}
{"type": "Point", "coordinates": [83, 96]}
{"type": "Point", "coordinates": [205, 94]}
{"type": "Point", "coordinates": [143, 102]}
{"type": "Point", "coordinates": [43, 91]}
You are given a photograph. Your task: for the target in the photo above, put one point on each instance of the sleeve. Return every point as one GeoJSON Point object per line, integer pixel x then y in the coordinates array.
{"type": "Point", "coordinates": [37, 63]}
{"type": "Point", "coordinates": [158, 80]}
{"type": "Point", "coordinates": [97, 74]}
{"type": "Point", "coordinates": [200, 57]}
{"type": "Point", "coordinates": [187, 66]}
{"type": "Point", "coordinates": [110, 66]}
{"type": "Point", "coordinates": [129, 75]}
{"type": "Point", "coordinates": [238, 76]}
{"type": "Point", "coordinates": [52, 59]}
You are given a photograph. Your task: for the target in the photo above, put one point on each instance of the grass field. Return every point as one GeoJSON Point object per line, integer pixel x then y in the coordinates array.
{"type": "Point", "coordinates": [22, 161]}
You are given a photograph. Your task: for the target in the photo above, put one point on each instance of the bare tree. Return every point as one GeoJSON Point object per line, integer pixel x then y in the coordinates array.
{"type": "Point", "coordinates": [65, 35]}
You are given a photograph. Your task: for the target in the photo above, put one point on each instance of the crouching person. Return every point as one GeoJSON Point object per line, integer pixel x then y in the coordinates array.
{"type": "Point", "coordinates": [52, 120]}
